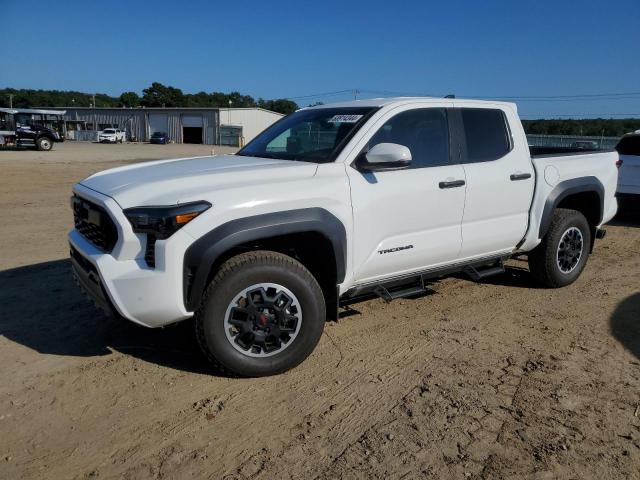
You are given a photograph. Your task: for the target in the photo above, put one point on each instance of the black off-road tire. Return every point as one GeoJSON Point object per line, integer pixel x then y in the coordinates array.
{"type": "Point", "coordinates": [44, 144]}
{"type": "Point", "coordinates": [241, 272]}
{"type": "Point", "coordinates": [543, 260]}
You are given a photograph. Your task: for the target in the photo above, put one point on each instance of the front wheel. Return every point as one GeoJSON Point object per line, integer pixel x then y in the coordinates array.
{"type": "Point", "coordinates": [44, 144]}
{"type": "Point", "coordinates": [262, 314]}
{"type": "Point", "coordinates": [560, 258]}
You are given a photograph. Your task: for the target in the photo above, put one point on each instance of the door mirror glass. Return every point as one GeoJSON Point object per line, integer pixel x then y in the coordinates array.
{"type": "Point", "coordinates": [386, 156]}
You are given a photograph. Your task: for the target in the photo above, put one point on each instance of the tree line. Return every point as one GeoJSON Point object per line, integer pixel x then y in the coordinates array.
{"type": "Point", "coordinates": [159, 95]}
{"type": "Point", "coordinates": [588, 127]}
{"type": "Point", "coordinates": [156, 95]}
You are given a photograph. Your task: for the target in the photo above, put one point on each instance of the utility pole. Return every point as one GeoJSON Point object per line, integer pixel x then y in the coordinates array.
{"type": "Point", "coordinates": [94, 100]}
{"type": "Point", "coordinates": [11, 100]}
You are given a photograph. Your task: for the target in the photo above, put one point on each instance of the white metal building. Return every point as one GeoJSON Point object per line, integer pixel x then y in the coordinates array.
{"type": "Point", "coordinates": [212, 126]}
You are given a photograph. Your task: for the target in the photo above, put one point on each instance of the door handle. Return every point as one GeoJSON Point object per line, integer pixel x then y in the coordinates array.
{"type": "Point", "coordinates": [519, 176]}
{"type": "Point", "coordinates": [451, 184]}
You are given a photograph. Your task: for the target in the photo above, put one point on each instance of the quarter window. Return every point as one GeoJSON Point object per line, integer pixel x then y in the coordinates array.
{"type": "Point", "coordinates": [424, 132]}
{"type": "Point", "coordinates": [486, 134]}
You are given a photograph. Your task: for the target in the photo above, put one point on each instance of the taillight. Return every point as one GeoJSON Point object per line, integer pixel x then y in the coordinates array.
{"type": "Point", "coordinates": [619, 163]}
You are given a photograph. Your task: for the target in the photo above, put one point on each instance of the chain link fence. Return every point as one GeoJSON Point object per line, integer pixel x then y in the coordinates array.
{"type": "Point", "coordinates": [573, 141]}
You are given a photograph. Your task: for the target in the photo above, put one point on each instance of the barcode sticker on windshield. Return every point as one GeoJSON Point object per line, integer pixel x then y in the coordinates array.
{"type": "Point", "coordinates": [345, 118]}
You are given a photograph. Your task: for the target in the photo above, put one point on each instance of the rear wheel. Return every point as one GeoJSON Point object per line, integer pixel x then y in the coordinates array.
{"type": "Point", "coordinates": [262, 314]}
{"type": "Point", "coordinates": [44, 143]}
{"type": "Point", "coordinates": [562, 255]}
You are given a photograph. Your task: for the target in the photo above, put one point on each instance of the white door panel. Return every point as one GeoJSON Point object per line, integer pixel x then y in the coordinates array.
{"type": "Point", "coordinates": [406, 216]}
{"type": "Point", "coordinates": [496, 212]}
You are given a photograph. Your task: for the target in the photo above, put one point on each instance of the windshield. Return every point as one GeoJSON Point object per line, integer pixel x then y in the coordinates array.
{"type": "Point", "coordinates": [108, 130]}
{"type": "Point", "coordinates": [314, 135]}
{"type": "Point", "coordinates": [158, 134]}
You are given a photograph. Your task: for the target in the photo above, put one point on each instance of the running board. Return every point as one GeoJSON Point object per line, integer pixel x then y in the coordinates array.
{"type": "Point", "coordinates": [477, 274]}
{"type": "Point", "coordinates": [402, 292]}
{"type": "Point", "coordinates": [414, 283]}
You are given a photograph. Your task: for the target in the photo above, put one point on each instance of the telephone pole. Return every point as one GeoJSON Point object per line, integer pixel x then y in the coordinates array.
{"type": "Point", "coordinates": [11, 100]}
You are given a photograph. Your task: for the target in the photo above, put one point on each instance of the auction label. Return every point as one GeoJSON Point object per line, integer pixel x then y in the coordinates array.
{"type": "Point", "coordinates": [345, 118]}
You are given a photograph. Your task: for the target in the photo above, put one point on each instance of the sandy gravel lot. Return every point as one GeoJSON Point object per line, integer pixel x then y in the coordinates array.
{"type": "Point", "coordinates": [499, 379]}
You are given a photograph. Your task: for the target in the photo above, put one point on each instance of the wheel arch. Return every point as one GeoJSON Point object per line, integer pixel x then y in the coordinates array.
{"type": "Point", "coordinates": [309, 235]}
{"type": "Point", "coordinates": [45, 135]}
{"type": "Point", "coordinates": [584, 194]}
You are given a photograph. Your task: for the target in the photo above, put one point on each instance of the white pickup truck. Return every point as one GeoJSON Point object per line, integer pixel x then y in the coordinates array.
{"type": "Point", "coordinates": [332, 205]}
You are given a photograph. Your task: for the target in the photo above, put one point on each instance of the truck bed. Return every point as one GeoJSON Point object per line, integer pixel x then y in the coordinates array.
{"type": "Point", "coordinates": [537, 152]}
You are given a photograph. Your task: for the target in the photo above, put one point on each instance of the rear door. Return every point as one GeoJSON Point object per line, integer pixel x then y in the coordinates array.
{"type": "Point", "coordinates": [500, 181]}
{"type": "Point", "coordinates": [408, 220]}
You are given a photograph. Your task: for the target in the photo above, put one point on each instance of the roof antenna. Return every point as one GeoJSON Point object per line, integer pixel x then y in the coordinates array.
{"type": "Point", "coordinates": [451, 95]}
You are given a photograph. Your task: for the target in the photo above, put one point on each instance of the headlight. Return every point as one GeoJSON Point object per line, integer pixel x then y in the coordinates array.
{"type": "Point", "coordinates": [164, 221]}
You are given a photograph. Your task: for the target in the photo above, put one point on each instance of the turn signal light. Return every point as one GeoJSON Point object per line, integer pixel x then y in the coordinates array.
{"type": "Point", "coordinates": [186, 217]}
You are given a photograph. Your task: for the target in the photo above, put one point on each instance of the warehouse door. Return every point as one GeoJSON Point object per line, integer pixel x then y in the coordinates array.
{"type": "Point", "coordinates": [192, 129]}
{"type": "Point", "coordinates": [158, 123]}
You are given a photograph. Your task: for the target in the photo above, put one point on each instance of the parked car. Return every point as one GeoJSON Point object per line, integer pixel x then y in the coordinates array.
{"type": "Point", "coordinates": [585, 145]}
{"type": "Point", "coordinates": [112, 135]}
{"type": "Point", "coordinates": [629, 179]}
{"type": "Point", "coordinates": [159, 137]}
{"type": "Point", "coordinates": [332, 205]}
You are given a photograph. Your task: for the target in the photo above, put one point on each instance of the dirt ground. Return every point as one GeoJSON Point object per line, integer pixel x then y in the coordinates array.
{"type": "Point", "coordinates": [498, 379]}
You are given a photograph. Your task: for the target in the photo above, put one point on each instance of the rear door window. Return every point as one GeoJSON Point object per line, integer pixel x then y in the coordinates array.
{"type": "Point", "coordinates": [486, 134]}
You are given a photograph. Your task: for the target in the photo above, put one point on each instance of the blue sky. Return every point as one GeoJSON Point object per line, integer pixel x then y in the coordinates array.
{"type": "Point", "coordinates": [274, 49]}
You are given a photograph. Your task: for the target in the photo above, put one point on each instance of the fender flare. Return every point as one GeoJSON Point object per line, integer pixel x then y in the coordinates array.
{"type": "Point", "coordinates": [564, 189]}
{"type": "Point", "coordinates": [203, 253]}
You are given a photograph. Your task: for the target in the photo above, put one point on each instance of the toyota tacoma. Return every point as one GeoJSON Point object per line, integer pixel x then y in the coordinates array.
{"type": "Point", "coordinates": [332, 205]}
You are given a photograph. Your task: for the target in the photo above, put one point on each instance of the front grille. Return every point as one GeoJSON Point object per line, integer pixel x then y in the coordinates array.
{"type": "Point", "coordinates": [94, 224]}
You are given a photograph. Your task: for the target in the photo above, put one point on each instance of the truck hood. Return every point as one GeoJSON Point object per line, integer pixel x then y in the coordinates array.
{"type": "Point", "coordinates": [168, 182]}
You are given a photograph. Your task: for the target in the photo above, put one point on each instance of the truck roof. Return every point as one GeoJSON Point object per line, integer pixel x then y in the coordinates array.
{"type": "Point", "coordinates": [382, 102]}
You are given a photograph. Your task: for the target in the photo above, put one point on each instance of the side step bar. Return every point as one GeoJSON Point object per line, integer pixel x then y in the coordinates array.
{"type": "Point", "coordinates": [477, 274]}
{"type": "Point", "coordinates": [402, 292]}
{"type": "Point", "coordinates": [414, 283]}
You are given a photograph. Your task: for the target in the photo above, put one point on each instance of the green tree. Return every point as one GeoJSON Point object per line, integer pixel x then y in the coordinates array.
{"type": "Point", "coordinates": [159, 95]}
{"type": "Point", "coordinates": [280, 105]}
{"type": "Point", "coordinates": [130, 99]}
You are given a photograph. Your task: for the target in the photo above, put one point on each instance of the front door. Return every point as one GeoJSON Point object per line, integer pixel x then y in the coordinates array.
{"type": "Point", "coordinates": [408, 220]}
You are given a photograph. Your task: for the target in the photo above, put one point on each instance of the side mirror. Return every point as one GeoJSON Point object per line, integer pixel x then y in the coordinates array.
{"type": "Point", "coordinates": [385, 156]}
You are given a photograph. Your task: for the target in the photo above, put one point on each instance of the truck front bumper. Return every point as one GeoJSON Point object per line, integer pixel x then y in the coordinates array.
{"type": "Point", "coordinates": [129, 288]}
{"type": "Point", "coordinates": [121, 280]}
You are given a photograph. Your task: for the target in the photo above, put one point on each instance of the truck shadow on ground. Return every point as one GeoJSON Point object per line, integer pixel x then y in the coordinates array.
{"type": "Point", "coordinates": [43, 309]}
{"type": "Point", "coordinates": [625, 324]}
